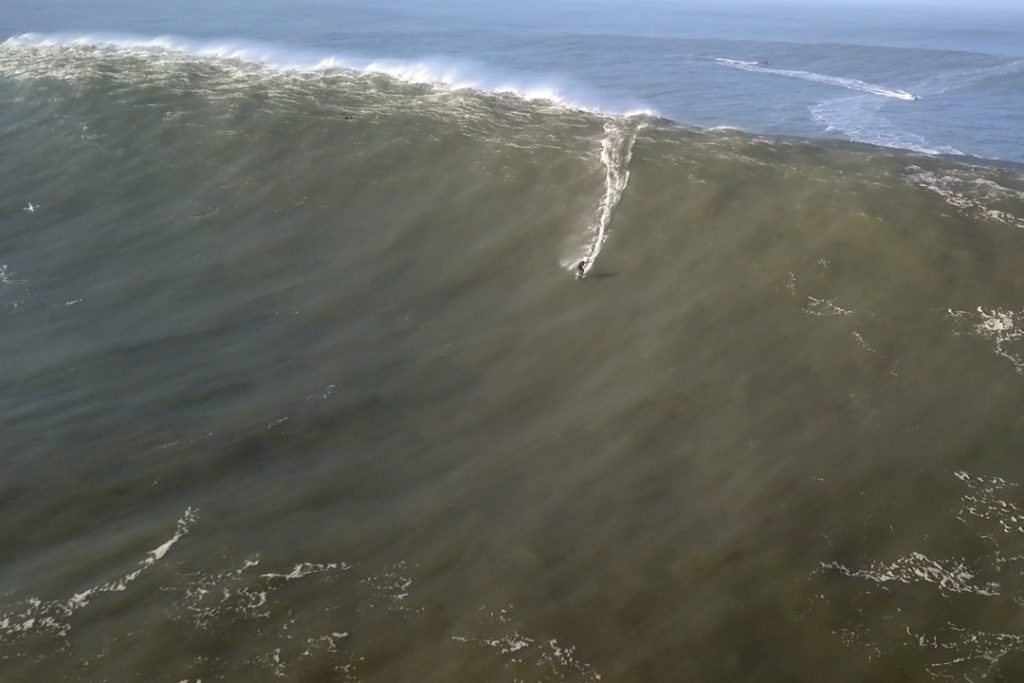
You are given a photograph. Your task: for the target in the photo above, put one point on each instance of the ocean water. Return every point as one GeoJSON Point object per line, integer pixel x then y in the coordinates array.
{"type": "Point", "coordinates": [298, 382]}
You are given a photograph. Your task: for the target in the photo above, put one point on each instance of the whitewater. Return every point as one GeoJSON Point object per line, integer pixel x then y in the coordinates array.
{"type": "Point", "coordinates": [848, 83]}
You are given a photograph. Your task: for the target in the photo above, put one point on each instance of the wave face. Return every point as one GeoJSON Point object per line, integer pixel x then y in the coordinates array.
{"type": "Point", "coordinates": [324, 317]}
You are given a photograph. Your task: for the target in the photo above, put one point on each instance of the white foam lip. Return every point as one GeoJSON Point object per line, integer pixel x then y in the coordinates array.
{"type": "Point", "coordinates": [838, 81]}
{"type": "Point", "coordinates": [53, 616]}
{"type": "Point", "coordinates": [440, 72]}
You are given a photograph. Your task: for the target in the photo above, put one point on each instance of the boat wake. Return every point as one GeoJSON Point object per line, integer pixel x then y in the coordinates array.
{"type": "Point", "coordinates": [838, 81]}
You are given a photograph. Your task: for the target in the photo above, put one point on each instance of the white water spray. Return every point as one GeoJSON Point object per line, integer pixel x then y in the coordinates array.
{"type": "Point", "coordinates": [616, 153]}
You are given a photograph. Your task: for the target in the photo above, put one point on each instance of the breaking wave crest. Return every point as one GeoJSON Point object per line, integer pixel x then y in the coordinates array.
{"type": "Point", "coordinates": [442, 73]}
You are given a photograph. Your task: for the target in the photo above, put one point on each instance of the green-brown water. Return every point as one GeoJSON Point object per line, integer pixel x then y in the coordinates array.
{"type": "Point", "coordinates": [297, 382]}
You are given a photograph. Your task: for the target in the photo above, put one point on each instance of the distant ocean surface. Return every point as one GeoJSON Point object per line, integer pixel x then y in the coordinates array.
{"type": "Point", "coordinates": [299, 379]}
{"type": "Point", "coordinates": [809, 69]}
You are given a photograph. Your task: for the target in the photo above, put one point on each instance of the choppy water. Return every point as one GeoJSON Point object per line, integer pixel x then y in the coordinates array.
{"type": "Point", "coordinates": [297, 382]}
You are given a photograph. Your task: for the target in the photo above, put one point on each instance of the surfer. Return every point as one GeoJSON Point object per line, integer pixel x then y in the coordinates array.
{"type": "Point", "coordinates": [581, 269]}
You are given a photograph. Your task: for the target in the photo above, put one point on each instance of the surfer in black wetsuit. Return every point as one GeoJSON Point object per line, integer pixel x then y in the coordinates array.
{"type": "Point", "coordinates": [581, 269]}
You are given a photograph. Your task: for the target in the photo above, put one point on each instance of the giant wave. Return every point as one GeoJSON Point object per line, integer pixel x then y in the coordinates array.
{"type": "Point", "coordinates": [440, 72]}
{"type": "Point", "coordinates": [329, 309]}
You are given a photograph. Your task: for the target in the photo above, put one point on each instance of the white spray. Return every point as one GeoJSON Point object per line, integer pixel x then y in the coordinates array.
{"type": "Point", "coordinates": [616, 152]}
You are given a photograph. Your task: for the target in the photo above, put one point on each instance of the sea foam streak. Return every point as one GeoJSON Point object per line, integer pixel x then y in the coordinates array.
{"type": "Point", "coordinates": [54, 616]}
{"type": "Point", "coordinates": [848, 83]}
{"type": "Point", "coordinates": [859, 118]}
{"type": "Point", "coordinates": [439, 72]}
{"type": "Point", "coordinates": [616, 153]}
